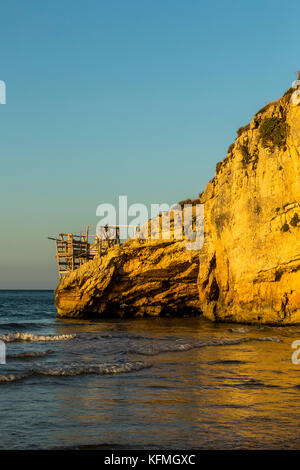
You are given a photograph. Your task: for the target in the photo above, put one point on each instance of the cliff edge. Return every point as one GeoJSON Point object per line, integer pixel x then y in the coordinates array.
{"type": "Point", "coordinates": [250, 263]}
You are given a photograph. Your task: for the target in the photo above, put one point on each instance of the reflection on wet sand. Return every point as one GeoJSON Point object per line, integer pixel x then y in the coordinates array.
{"type": "Point", "coordinates": [235, 396]}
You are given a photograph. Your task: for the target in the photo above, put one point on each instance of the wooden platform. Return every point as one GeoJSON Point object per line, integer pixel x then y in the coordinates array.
{"type": "Point", "coordinates": [74, 250]}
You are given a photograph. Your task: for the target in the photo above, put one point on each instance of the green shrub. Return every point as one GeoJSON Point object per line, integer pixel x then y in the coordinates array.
{"type": "Point", "coordinates": [295, 220]}
{"type": "Point", "coordinates": [285, 228]}
{"type": "Point", "coordinates": [243, 129]}
{"type": "Point", "coordinates": [245, 153]}
{"type": "Point", "coordinates": [218, 167]}
{"type": "Point", "coordinates": [273, 131]}
{"type": "Point", "coordinates": [262, 110]}
{"type": "Point", "coordinates": [220, 221]}
{"type": "Point", "coordinates": [230, 148]}
{"type": "Point", "coordinates": [257, 209]}
{"type": "Point", "coordinates": [186, 201]}
{"type": "Point", "coordinates": [189, 201]}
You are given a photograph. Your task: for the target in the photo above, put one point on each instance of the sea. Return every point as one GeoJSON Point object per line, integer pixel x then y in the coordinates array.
{"type": "Point", "coordinates": [150, 383]}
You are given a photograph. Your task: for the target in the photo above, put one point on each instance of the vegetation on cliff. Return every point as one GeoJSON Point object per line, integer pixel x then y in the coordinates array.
{"type": "Point", "coordinates": [273, 132]}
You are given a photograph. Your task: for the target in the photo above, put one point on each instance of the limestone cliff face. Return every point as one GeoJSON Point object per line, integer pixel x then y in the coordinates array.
{"type": "Point", "coordinates": [250, 263]}
{"type": "Point", "coordinates": [138, 278]}
{"type": "Point", "coordinates": [249, 267]}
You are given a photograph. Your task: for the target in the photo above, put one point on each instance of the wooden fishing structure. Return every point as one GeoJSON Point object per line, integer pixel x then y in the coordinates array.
{"type": "Point", "coordinates": [74, 250]}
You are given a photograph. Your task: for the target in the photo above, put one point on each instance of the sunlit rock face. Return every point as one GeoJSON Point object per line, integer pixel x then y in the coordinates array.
{"type": "Point", "coordinates": [139, 278]}
{"type": "Point", "coordinates": [250, 264]}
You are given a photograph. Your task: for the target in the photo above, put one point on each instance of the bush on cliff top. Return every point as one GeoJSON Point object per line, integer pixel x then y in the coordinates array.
{"type": "Point", "coordinates": [295, 220]}
{"type": "Point", "coordinates": [193, 202]}
{"type": "Point", "coordinates": [243, 129]}
{"type": "Point", "coordinates": [273, 131]}
{"type": "Point", "coordinates": [285, 227]}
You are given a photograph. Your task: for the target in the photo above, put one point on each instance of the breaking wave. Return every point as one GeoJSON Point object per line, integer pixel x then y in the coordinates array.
{"type": "Point", "coordinates": [30, 355]}
{"type": "Point", "coordinates": [239, 330]}
{"type": "Point", "coordinates": [75, 369]}
{"type": "Point", "coordinates": [30, 337]}
{"type": "Point", "coordinates": [13, 377]}
{"type": "Point", "coordinates": [153, 349]}
{"type": "Point", "coordinates": [91, 368]}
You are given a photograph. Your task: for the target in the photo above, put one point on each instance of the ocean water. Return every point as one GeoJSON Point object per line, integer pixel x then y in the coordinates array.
{"type": "Point", "coordinates": [160, 383]}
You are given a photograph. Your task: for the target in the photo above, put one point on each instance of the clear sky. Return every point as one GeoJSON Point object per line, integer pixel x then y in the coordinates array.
{"type": "Point", "coordinates": [124, 97]}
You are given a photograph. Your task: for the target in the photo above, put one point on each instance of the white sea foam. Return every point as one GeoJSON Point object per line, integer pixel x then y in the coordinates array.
{"type": "Point", "coordinates": [239, 330]}
{"type": "Point", "coordinates": [91, 368]}
{"type": "Point", "coordinates": [30, 337]}
{"type": "Point", "coordinates": [74, 369]}
{"type": "Point", "coordinates": [13, 377]}
{"type": "Point", "coordinates": [29, 355]}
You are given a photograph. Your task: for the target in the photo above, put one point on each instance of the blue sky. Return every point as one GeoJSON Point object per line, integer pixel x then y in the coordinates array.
{"type": "Point", "coordinates": [124, 97]}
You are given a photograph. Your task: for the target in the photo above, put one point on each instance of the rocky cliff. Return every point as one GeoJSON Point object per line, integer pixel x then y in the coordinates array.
{"type": "Point", "coordinates": [151, 277]}
{"type": "Point", "coordinates": [250, 263]}
{"type": "Point", "coordinates": [249, 267]}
